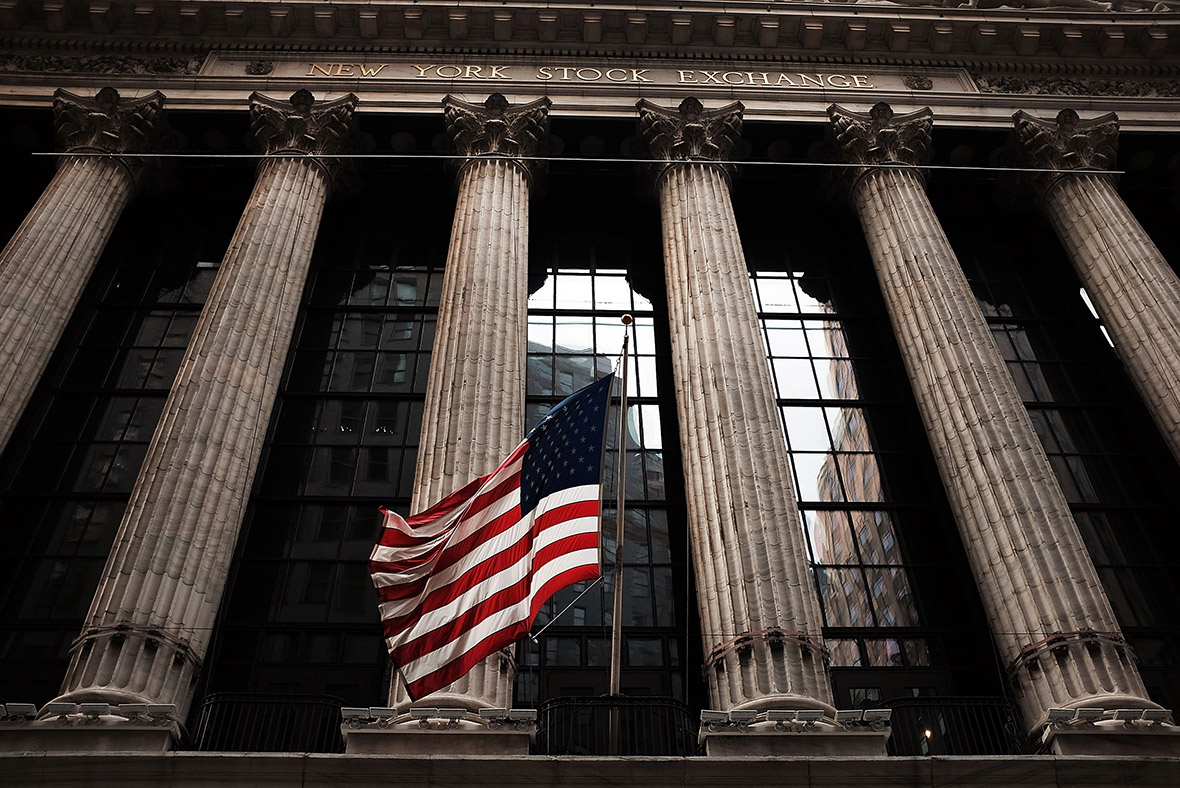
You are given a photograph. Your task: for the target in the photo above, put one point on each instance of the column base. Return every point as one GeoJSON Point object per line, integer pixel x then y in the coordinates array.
{"type": "Point", "coordinates": [817, 743]}
{"type": "Point", "coordinates": [1113, 738]}
{"type": "Point", "coordinates": [411, 739]}
{"type": "Point", "coordinates": [103, 734]}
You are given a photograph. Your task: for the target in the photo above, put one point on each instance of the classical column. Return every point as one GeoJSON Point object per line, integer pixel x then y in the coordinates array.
{"type": "Point", "coordinates": [759, 614]}
{"type": "Point", "coordinates": [45, 266]}
{"type": "Point", "coordinates": [1050, 617]}
{"type": "Point", "coordinates": [474, 414]}
{"type": "Point", "coordinates": [149, 624]}
{"type": "Point", "coordinates": [1136, 292]}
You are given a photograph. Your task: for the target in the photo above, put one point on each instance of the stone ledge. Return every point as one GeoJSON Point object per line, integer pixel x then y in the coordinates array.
{"type": "Point", "coordinates": [413, 740]}
{"type": "Point", "coordinates": [106, 734]}
{"type": "Point", "coordinates": [1112, 740]}
{"type": "Point", "coordinates": [818, 743]}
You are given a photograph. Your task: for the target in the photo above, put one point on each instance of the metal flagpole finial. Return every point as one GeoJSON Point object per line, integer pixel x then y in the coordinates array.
{"type": "Point", "coordinates": [627, 320]}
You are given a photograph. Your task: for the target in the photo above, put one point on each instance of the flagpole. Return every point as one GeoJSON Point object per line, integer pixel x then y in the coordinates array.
{"type": "Point", "coordinates": [616, 639]}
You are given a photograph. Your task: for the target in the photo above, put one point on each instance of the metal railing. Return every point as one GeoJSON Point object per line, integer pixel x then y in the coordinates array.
{"type": "Point", "coordinates": [956, 726]}
{"type": "Point", "coordinates": [647, 726]}
{"type": "Point", "coordinates": [249, 722]}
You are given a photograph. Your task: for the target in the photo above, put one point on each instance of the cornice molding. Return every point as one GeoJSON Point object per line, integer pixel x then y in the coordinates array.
{"type": "Point", "coordinates": [893, 31]}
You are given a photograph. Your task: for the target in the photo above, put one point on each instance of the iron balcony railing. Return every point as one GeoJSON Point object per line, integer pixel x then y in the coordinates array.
{"type": "Point", "coordinates": [247, 722]}
{"type": "Point", "coordinates": [647, 726]}
{"type": "Point", "coordinates": [956, 726]}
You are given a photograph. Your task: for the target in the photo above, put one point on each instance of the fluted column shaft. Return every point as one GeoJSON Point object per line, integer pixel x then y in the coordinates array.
{"type": "Point", "coordinates": [760, 617]}
{"type": "Point", "coordinates": [1049, 614]}
{"type": "Point", "coordinates": [151, 620]}
{"type": "Point", "coordinates": [1136, 292]}
{"type": "Point", "coordinates": [754, 590]}
{"type": "Point", "coordinates": [474, 411]}
{"type": "Point", "coordinates": [49, 260]}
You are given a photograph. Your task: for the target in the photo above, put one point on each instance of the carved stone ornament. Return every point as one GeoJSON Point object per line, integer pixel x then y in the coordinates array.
{"type": "Point", "coordinates": [106, 122]}
{"type": "Point", "coordinates": [1065, 143]}
{"type": "Point", "coordinates": [101, 64]}
{"type": "Point", "coordinates": [301, 126]}
{"type": "Point", "coordinates": [880, 137]}
{"type": "Point", "coordinates": [691, 132]}
{"type": "Point", "coordinates": [498, 129]}
{"type": "Point", "coordinates": [1068, 86]}
{"type": "Point", "coordinates": [918, 82]}
{"type": "Point", "coordinates": [1068, 142]}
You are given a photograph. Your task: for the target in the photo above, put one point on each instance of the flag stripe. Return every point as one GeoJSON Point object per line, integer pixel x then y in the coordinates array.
{"type": "Point", "coordinates": [468, 575]}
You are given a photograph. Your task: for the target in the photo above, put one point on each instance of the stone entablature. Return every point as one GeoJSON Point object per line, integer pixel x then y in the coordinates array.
{"type": "Point", "coordinates": [1122, 30]}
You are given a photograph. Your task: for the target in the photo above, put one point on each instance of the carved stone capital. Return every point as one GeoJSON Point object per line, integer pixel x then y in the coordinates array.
{"type": "Point", "coordinates": [298, 125]}
{"type": "Point", "coordinates": [690, 133]}
{"type": "Point", "coordinates": [1065, 143]}
{"type": "Point", "coordinates": [881, 137]}
{"type": "Point", "coordinates": [498, 129]}
{"type": "Point", "coordinates": [106, 123]}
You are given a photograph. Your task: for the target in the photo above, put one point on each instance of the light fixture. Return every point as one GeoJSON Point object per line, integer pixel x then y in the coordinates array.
{"type": "Point", "coordinates": [847, 717]}
{"type": "Point", "coordinates": [928, 733]}
{"type": "Point", "coordinates": [383, 714]}
{"type": "Point", "coordinates": [62, 710]}
{"type": "Point", "coordinates": [452, 716]}
{"type": "Point", "coordinates": [809, 716]}
{"type": "Point", "coordinates": [20, 711]}
{"type": "Point", "coordinates": [877, 718]}
{"type": "Point", "coordinates": [713, 719]}
{"type": "Point", "coordinates": [132, 711]}
{"type": "Point", "coordinates": [161, 713]}
{"type": "Point", "coordinates": [1059, 716]}
{"type": "Point", "coordinates": [780, 715]}
{"type": "Point", "coordinates": [1155, 716]}
{"type": "Point", "coordinates": [1128, 715]}
{"type": "Point", "coordinates": [522, 715]}
{"type": "Point", "coordinates": [493, 714]}
{"type": "Point", "coordinates": [354, 717]}
{"type": "Point", "coordinates": [93, 711]}
{"type": "Point", "coordinates": [742, 717]}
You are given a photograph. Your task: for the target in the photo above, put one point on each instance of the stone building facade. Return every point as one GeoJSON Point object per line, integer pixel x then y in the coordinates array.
{"type": "Point", "coordinates": [906, 387]}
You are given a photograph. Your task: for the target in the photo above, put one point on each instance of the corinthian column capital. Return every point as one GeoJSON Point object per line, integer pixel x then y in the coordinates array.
{"type": "Point", "coordinates": [881, 137]}
{"type": "Point", "coordinates": [691, 132]}
{"type": "Point", "coordinates": [106, 123]}
{"type": "Point", "coordinates": [495, 128]}
{"type": "Point", "coordinates": [298, 125]}
{"type": "Point", "coordinates": [1065, 143]}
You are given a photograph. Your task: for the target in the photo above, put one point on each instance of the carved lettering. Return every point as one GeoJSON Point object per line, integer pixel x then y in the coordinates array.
{"type": "Point", "coordinates": [453, 71]}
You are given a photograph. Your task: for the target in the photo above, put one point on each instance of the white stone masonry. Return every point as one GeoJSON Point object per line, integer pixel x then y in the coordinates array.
{"type": "Point", "coordinates": [1132, 287]}
{"type": "Point", "coordinates": [474, 412]}
{"type": "Point", "coordinates": [1050, 617]}
{"type": "Point", "coordinates": [49, 260]}
{"type": "Point", "coordinates": [151, 619]}
{"type": "Point", "coordinates": [760, 617]}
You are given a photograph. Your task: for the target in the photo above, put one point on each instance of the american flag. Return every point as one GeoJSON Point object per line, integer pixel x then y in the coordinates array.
{"type": "Point", "coordinates": [466, 577]}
